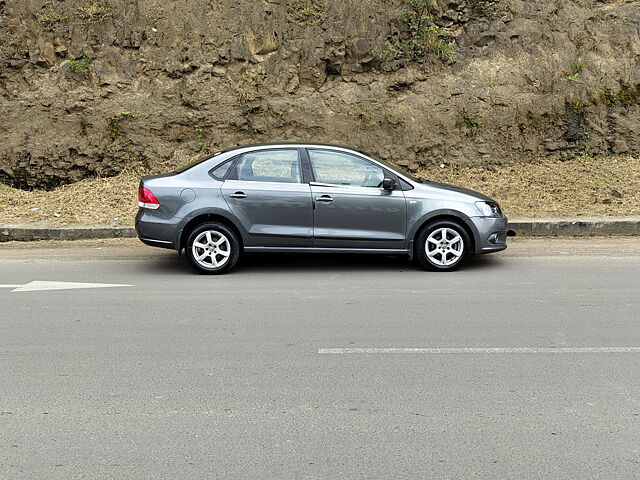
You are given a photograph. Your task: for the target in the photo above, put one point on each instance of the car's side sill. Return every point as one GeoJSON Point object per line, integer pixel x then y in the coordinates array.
{"type": "Point", "coordinates": [385, 251]}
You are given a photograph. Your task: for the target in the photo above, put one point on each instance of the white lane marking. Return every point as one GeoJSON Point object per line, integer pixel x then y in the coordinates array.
{"type": "Point", "coordinates": [37, 285]}
{"type": "Point", "coordinates": [446, 350]}
{"type": "Point", "coordinates": [10, 286]}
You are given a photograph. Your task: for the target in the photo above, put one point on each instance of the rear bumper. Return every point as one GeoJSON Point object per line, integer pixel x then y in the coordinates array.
{"type": "Point", "coordinates": [156, 243]}
{"type": "Point", "coordinates": [490, 234]}
{"type": "Point", "coordinates": [155, 231]}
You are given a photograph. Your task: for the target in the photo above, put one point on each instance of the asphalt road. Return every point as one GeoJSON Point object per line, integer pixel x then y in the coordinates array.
{"type": "Point", "coordinates": [181, 376]}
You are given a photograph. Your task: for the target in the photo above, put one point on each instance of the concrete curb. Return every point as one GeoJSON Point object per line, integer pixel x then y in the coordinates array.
{"type": "Point", "coordinates": [539, 227]}
{"type": "Point", "coordinates": [26, 233]}
{"type": "Point", "coordinates": [584, 227]}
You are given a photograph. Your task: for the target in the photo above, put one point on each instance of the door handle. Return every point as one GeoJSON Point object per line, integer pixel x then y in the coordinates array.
{"type": "Point", "coordinates": [324, 198]}
{"type": "Point", "coordinates": [238, 195]}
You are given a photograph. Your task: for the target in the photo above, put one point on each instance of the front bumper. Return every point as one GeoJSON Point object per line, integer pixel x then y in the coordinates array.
{"type": "Point", "coordinates": [490, 233]}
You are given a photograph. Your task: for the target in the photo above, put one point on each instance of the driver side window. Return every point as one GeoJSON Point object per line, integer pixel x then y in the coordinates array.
{"type": "Point", "coordinates": [344, 169]}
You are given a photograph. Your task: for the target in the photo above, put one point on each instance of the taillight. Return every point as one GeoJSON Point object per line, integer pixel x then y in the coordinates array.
{"type": "Point", "coordinates": [146, 199]}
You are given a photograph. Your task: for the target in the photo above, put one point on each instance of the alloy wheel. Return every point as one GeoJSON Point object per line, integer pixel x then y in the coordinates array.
{"type": "Point", "coordinates": [211, 249]}
{"type": "Point", "coordinates": [444, 247]}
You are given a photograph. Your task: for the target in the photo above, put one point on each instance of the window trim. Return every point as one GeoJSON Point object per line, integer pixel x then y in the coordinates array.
{"type": "Point", "coordinates": [233, 171]}
{"type": "Point", "coordinates": [231, 160]}
{"type": "Point", "coordinates": [314, 181]}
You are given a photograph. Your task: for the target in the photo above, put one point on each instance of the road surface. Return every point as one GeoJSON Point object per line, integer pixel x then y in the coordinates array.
{"type": "Point", "coordinates": [526, 364]}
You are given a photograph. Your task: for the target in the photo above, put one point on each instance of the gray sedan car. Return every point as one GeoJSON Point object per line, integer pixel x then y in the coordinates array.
{"type": "Point", "coordinates": [312, 198]}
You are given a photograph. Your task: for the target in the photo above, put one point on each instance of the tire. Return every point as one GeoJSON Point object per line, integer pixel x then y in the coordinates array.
{"type": "Point", "coordinates": [212, 248]}
{"type": "Point", "coordinates": [443, 246]}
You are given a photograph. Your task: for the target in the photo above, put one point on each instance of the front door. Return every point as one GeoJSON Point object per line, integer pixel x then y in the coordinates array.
{"type": "Point", "coordinates": [352, 210]}
{"type": "Point", "coordinates": [265, 193]}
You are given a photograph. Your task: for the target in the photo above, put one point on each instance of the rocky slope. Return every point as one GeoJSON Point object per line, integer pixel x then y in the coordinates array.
{"type": "Point", "coordinates": [87, 87]}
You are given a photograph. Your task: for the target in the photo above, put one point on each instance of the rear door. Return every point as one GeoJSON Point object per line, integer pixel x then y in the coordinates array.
{"type": "Point", "coordinates": [266, 193]}
{"type": "Point", "coordinates": [352, 210]}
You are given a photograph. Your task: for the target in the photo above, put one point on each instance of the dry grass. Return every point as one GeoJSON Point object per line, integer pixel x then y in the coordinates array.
{"type": "Point", "coordinates": [548, 188]}
{"type": "Point", "coordinates": [545, 188]}
{"type": "Point", "coordinates": [94, 201]}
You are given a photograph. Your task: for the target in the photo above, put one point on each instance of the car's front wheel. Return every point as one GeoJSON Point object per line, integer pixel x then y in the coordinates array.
{"type": "Point", "coordinates": [212, 248]}
{"type": "Point", "coordinates": [443, 246]}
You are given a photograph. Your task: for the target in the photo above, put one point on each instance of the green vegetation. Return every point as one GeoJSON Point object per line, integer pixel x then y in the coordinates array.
{"type": "Point", "coordinates": [576, 122]}
{"type": "Point", "coordinates": [573, 74]}
{"type": "Point", "coordinates": [304, 12]}
{"type": "Point", "coordinates": [115, 124]}
{"type": "Point", "coordinates": [422, 37]}
{"type": "Point", "coordinates": [87, 12]}
{"type": "Point", "coordinates": [541, 121]}
{"type": "Point", "coordinates": [94, 12]}
{"type": "Point", "coordinates": [472, 123]}
{"type": "Point", "coordinates": [114, 127]}
{"type": "Point", "coordinates": [79, 64]}
{"type": "Point", "coordinates": [578, 107]}
{"type": "Point", "coordinates": [626, 96]}
{"type": "Point", "coordinates": [205, 145]}
{"type": "Point", "coordinates": [49, 18]}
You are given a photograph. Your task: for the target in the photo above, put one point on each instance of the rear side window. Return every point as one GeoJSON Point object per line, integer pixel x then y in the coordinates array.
{"type": "Point", "coordinates": [281, 166]}
{"type": "Point", "coordinates": [220, 171]}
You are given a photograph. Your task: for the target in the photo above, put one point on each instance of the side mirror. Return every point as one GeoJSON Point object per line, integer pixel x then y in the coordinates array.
{"type": "Point", "coordinates": [389, 183]}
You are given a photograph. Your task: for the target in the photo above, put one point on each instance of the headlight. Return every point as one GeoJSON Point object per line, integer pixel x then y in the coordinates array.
{"type": "Point", "coordinates": [489, 209]}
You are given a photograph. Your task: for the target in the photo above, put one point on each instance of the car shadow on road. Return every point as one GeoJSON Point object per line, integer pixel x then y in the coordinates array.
{"type": "Point", "coordinates": [340, 262]}
{"type": "Point", "coordinates": [301, 262]}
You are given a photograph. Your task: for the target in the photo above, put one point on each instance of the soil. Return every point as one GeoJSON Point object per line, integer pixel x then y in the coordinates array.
{"type": "Point", "coordinates": [97, 87]}
{"type": "Point", "coordinates": [585, 186]}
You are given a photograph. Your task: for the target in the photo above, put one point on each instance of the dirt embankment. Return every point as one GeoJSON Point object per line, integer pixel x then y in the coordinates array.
{"type": "Point", "coordinates": [585, 186]}
{"type": "Point", "coordinates": [89, 87]}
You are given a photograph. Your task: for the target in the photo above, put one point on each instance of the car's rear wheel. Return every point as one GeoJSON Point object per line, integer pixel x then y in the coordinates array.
{"type": "Point", "coordinates": [443, 246]}
{"type": "Point", "coordinates": [212, 248]}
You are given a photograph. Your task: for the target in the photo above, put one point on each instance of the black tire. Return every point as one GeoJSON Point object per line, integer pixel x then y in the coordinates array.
{"type": "Point", "coordinates": [213, 254]}
{"type": "Point", "coordinates": [437, 262]}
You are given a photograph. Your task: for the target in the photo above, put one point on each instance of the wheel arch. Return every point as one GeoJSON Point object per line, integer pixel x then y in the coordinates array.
{"type": "Point", "coordinates": [451, 216]}
{"type": "Point", "coordinates": [202, 217]}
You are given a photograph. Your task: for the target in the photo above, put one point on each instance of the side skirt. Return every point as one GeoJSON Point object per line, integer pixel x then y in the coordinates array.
{"type": "Point", "coordinates": [383, 251]}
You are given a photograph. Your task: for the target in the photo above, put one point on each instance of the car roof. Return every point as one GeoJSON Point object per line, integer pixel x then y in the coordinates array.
{"type": "Point", "coordinates": [241, 149]}
{"type": "Point", "coordinates": [292, 144]}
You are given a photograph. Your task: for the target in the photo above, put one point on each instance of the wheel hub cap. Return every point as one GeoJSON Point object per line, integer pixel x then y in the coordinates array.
{"type": "Point", "coordinates": [444, 247]}
{"type": "Point", "coordinates": [211, 249]}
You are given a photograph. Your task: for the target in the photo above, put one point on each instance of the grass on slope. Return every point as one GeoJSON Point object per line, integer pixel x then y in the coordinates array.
{"type": "Point", "coordinates": [585, 186]}
{"type": "Point", "coordinates": [581, 187]}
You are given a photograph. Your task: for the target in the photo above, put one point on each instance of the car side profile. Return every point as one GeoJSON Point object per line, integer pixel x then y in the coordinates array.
{"type": "Point", "coordinates": [312, 198]}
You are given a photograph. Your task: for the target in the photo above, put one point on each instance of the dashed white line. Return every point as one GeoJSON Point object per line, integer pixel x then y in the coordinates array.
{"type": "Point", "coordinates": [499, 350]}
